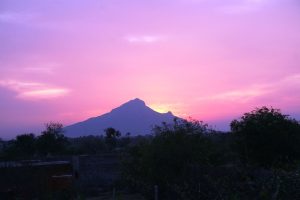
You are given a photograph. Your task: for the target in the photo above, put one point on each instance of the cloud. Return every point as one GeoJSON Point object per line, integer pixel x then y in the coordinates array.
{"type": "Point", "coordinates": [33, 69]}
{"type": "Point", "coordinates": [293, 79]}
{"type": "Point", "coordinates": [256, 91]}
{"type": "Point", "coordinates": [18, 85]}
{"type": "Point", "coordinates": [244, 94]}
{"type": "Point", "coordinates": [143, 39]}
{"type": "Point", "coordinates": [34, 90]}
{"type": "Point", "coordinates": [45, 93]}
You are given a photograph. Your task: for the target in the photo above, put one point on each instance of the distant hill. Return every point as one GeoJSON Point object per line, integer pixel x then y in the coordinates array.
{"type": "Point", "coordinates": [133, 117]}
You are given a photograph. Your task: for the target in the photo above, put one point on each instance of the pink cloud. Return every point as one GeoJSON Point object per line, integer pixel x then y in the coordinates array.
{"type": "Point", "coordinates": [34, 90]}
{"type": "Point", "coordinates": [144, 39]}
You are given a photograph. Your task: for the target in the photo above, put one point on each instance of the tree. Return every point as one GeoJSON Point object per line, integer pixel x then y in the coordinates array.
{"type": "Point", "coordinates": [111, 136]}
{"type": "Point", "coordinates": [168, 158]}
{"type": "Point", "coordinates": [25, 144]}
{"type": "Point", "coordinates": [87, 145]}
{"type": "Point", "coordinates": [2, 144]}
{"type": "Point", "coordinates": [52, 140]}
{"type": "Point", "coordinates": [112, 133]}
{"type": "Point", "coordinates": [267, 138]}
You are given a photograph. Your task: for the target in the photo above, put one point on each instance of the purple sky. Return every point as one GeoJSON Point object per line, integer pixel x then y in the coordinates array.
{"type": "Point", "coordinates": [213, 60]}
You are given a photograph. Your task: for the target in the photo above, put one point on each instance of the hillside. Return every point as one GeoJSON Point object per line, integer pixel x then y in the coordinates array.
{"type": "Point", "coordinates": [134, 117]}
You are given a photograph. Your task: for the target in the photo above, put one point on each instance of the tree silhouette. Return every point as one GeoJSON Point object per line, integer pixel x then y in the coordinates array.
{"type": "Point", "coordinates": [25, 144]}
{"type": "Point", "coordinates": [112, 133]}
{"type": "Point", "coordinates": [267, 138]}
{"type": "Point", "coordinates": [111, 136]}
{"type": "Point", "coordinates": [167, 158]}
{"type": "Point", "coordinates": [52, 140]}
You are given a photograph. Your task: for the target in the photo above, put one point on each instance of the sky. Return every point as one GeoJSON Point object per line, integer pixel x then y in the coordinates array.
{"type": "Point", "coordinates": [211, 60]}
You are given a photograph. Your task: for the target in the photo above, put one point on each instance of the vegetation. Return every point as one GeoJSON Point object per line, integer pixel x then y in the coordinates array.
{"type": "Point", "coordinates": [167, 159]}
{"type": "Point", "coordinates": [267, 138]}
{"type": "Point", "coordinates": [52, 140]}
{"type": "Point", "coordinates": [25, 144]}
{"type": "Point", "coordinates": [111, 136]}
{"type": "Point", "coordinates": [257, 159]}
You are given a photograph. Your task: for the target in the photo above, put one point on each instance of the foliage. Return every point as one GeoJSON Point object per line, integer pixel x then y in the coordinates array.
{"type": "Point", "coordinates": [111, 136]}
{"type": "Point", "coordinates": [268, 138]}
{"type": "Point", "coordinates": [112, 133]}
{"type": "Point", "coordinates": [2, 144]}
{"type": "Point", "coordinates": [25, 144]}
{"type": "Point", "coordinates": [52, 140]}
{"type": "Point", "coordinates": [188, 160]}
{"type": "Point", "coordinates": [166, 159]}
{"type": "Point", "coordinates": [86, 145]}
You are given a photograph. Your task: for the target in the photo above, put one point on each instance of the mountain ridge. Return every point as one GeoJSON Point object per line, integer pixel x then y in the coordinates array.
{"type": "Point", "coordinates": [133, 116]}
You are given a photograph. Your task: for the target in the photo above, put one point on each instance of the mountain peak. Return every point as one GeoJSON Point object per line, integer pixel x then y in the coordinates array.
{"type": "Point", "coordinates": [133, 116]}
{"type": "Point", "coordinates": [132, 105]}
{"type": "Point", "coordinates": [137, 101]}
{"type": "Point", "coordinates": [134, 102]}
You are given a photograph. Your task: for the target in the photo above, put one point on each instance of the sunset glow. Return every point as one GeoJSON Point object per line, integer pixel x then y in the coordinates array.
{"type": "Point", "coordinates": [162, 108]}
{"type": "Point", "coordinates": [212, 60]}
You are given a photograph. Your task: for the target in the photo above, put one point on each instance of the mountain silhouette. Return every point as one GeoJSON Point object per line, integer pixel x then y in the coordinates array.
{"type": "Point", "coordinates": [133, 117]}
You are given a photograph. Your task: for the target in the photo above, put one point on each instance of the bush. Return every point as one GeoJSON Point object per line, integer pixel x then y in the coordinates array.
{"type": "Point", "coordinates": [167, 159]}
{"type": "Point", "coordinates": [267, 138]}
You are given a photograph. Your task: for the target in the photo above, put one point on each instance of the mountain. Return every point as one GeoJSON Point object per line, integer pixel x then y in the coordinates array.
{"type": "Point", "coordinates": [133, 117]}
